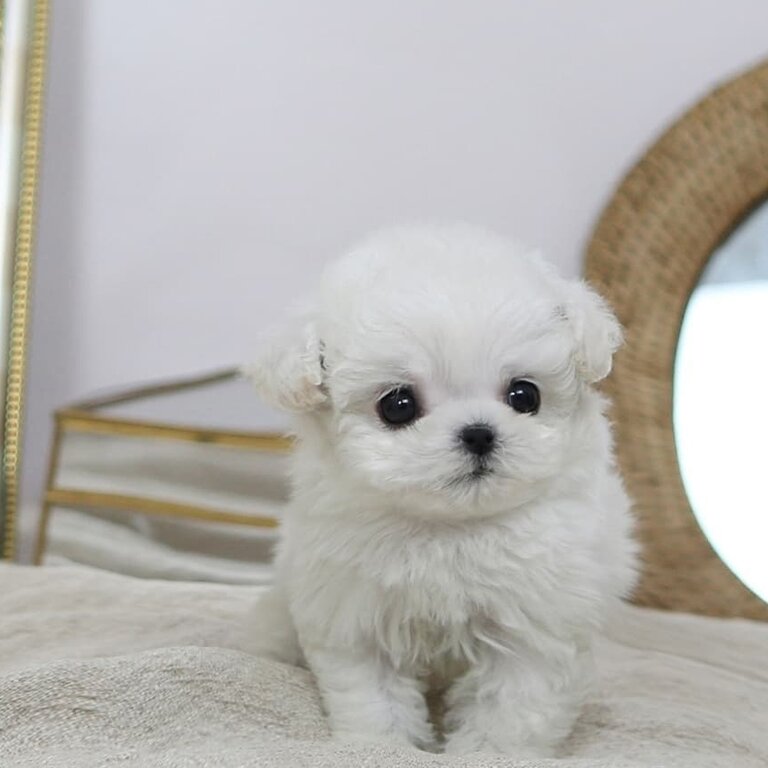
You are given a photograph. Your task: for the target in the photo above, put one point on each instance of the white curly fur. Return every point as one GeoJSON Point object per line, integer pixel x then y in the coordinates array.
{"type": "Point", "coordinates": [397, 568]}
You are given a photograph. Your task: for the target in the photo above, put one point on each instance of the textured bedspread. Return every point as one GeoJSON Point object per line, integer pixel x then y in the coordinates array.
{"type": "Point", "coordinates": [105, 670]}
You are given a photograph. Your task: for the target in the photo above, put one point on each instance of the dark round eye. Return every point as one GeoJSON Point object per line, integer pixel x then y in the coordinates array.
{"type": "Point", "coordinates": [399, 407]}
{"type": "Point", "coordinates": [524, 396]}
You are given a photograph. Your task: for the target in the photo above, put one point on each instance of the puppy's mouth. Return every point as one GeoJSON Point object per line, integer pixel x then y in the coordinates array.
{"type": "Point", "coordinates": [479, 472]}
{"type": "Point", "coordinates": [474, 476]}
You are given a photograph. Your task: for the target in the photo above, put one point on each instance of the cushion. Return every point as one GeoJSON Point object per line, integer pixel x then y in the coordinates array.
{"type": "Point", "coordinates": [98, 669]}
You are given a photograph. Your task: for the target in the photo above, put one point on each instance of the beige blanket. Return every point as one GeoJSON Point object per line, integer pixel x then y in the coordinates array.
{"type": "Point", "coordinates": [105, 670]}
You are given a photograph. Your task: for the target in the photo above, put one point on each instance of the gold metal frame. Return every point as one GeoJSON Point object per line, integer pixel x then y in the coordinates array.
{"type": "Point", "coordinates": [81, 417]}
{"type": "Point", "coordinates": [21, 278]}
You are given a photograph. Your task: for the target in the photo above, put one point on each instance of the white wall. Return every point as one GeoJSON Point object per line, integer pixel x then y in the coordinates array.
{"type": "Point", "coordinates": [203, 158]}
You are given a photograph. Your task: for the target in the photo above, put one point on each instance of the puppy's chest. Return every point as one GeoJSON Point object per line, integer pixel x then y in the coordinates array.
{"type": "Point", "coordinates": [434, 577]}
{"type": "Point", "coordinates": [429, 600]}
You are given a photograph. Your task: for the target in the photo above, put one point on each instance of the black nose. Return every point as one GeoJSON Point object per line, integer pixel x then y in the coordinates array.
{"type": "Point", "coordinates": [478, 439]}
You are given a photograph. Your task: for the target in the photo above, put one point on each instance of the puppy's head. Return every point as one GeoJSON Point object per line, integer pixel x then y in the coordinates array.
{"type": "Point", "coordinates": [446, 367]}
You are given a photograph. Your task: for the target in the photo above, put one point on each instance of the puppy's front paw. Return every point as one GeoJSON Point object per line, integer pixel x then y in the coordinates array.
{"type": "Point", "coordinates": [415, 732]}
{"type": "Point", "coordinates": [467, 741]}
{"type": "Point", "coordinates": [348, 736]}
{"type": "Point", "coordinates": [368, 700]}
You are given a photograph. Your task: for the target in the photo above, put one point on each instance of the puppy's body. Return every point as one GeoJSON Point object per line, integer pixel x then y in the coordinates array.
{"type": "Point", "coordinates": [408, 557]}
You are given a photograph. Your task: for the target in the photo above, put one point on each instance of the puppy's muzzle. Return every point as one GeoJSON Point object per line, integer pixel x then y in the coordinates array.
{"type": "Point", "coordinates": [478, 439]}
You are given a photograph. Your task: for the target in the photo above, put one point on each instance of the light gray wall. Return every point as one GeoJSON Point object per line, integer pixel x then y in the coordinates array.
{"type": "Point", "coordinates": [203, 158]}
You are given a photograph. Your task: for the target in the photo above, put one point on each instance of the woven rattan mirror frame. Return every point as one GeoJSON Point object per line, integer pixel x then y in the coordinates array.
{"type": "Point", "coordinates": [688, 192]}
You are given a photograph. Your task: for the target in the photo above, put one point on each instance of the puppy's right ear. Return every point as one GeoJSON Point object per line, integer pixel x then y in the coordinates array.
{"type": "Point", "coordinates": [288, 373]}
{"type": "Point", "coordinates": [597, 332]}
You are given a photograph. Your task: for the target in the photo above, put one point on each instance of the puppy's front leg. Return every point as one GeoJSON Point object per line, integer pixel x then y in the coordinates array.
{"type": "Point", "coordinates": [367, 699]}
{"type": "Point", "coordinates": [519, 702]}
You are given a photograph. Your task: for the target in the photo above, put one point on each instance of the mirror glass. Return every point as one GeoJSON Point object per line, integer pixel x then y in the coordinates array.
{"type": "Point", "coordinates": [720, 403]}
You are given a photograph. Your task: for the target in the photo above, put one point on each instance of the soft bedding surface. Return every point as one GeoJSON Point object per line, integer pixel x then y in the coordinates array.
{"type": "Point", "coordinates": [106, 670]}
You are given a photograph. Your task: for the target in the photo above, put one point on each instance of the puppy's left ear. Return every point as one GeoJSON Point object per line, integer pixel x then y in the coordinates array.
{"type": "Point", "coordinates": [597, 332]}
{"type": "Point", "coordinates": [288, 373]}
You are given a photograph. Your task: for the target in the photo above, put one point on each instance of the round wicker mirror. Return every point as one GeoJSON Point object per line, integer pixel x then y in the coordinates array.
{"type": "Point", "coordinates": [683, 198]}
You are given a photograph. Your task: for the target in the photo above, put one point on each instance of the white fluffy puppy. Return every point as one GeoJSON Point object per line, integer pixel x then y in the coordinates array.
{"type": "Point", "coordinates": [457, 518]}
